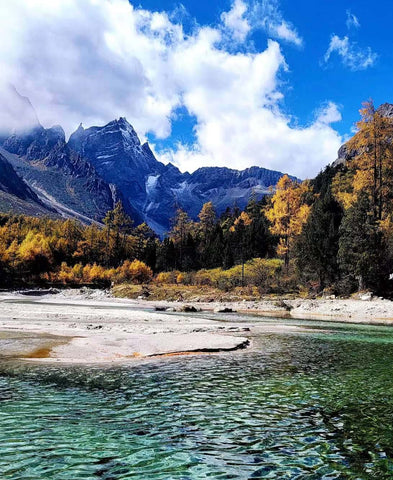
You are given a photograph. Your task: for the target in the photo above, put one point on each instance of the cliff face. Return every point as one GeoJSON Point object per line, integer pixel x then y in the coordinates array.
{"type": "Point", "coordinates": [15, 195]}
{"type": "Point", "coordinates": [85, 176]}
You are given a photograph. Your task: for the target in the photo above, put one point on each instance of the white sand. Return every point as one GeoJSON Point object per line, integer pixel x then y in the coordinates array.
{"type": "Point", "coordinates": [376, 310]}
{"type": "Point", "coordinates": [109, 330]}
{"type": "Point", "coordinates": [97, 328]}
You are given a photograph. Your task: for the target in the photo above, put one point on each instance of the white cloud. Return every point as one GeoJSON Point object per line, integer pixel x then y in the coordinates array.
{"type": "Point", "coordinates": [235, 20]}
{"type": "Point", "coordinates": [94, 60]}
{"type": "Point", "coordinates": [267, 15]}
{"type": "Point", "coordinates": [264, 15]}
{"type": "Point", "coordinates": [352, 56]}
{"type": "Point", "coordinates": [261, 137]}
{"type": "Point", "coordinates": [328, 114]}
{"type": "Point", "coordinates": [285, 32]}
{"type": "Point", "coordinates": [352, 20]}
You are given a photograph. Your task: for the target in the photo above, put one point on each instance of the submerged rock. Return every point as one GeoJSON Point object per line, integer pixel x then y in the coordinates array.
{"type": "Point", "coordinates": [189, 309]}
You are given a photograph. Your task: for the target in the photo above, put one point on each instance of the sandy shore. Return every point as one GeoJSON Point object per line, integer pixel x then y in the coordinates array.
{"type": "Point", "coordinates": [373, 310]}
{"type": "Point", "coordinates": [92, 327]}
{"type": "Point", "coordinates": [73, 328]}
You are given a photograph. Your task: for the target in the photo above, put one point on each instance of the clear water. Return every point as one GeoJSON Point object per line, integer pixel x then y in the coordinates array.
{"type": "Point", "coordinates": [315, 405]}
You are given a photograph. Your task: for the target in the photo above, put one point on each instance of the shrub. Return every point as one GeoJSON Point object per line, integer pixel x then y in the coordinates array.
{"type": "Point", "coordinates": [134, 272]}
{"type": "Point", "coordinates": [167, 277]}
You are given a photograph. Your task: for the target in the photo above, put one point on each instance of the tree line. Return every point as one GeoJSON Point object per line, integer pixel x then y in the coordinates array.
{"type": "Point", "coordinates": [333, 233]}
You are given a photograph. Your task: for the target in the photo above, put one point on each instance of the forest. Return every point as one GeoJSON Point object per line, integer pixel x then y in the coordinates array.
{"type": "Point", "coordinates": [331, 234]}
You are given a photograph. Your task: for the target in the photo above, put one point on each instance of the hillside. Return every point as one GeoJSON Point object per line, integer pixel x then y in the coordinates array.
{"type": "Point", "coordinates": [16, 196]}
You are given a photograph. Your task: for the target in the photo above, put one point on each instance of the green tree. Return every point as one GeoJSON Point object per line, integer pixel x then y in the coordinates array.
{"type": "Point", "coordinates": [182, 227]}
{"type": "Point", "coordinates": [317, 246]}
{"type": "Point", "coordinates": [118, 226]}
{"type": "Point", "coordinates": [362, 254]}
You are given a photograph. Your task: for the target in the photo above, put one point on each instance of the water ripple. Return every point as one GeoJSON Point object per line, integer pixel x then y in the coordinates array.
{"type": "Point", "coordinates": [299, 407]}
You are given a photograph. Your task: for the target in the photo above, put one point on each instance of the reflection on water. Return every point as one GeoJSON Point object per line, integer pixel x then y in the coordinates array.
{"type": "Point", "coordinates": [307, 406]}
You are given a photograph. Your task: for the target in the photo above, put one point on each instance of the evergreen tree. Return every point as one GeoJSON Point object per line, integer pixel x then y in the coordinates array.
{"type": "Point", "coordinates": [182, 226]}
{"type": "Point", "coordinates": [118, 227]}
{"type": "Point", "coordinates": [317, 247]}
{"type": "Point", "coordinates": [362, 254]}
{"type": "Point", "coordinates": [166, 256]}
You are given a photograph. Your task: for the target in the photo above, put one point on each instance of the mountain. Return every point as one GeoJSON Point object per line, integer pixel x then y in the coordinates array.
{"type": "Point", "coordinates": [59, 176]}
{"type": "Point", "coordinates": [155, 189]}
{"type": "Point", "coordinates": [15, 195]}
{"type": "Point", "coordinates": [16, 113]}
{"type": "Point", "coordinates": [84, 177]}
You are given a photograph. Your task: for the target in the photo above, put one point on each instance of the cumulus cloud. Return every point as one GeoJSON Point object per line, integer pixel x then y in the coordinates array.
{"type": "Point", "coordinates": [262, 137]}
{"type": "Point", "coordinates": [235, 20]}
{"type": "Point", "coordinates": [352, 56]}
{"type": "Point", "coordinates": [352, 20]}
{"type": "Point", "coordinates": [94, 60]}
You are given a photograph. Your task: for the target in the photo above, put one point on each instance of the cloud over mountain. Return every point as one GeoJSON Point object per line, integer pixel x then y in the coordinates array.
{"type": "Point", "coordinates": [91, 61]}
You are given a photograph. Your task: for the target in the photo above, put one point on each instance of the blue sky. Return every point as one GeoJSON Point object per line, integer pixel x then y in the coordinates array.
{"type": "Point", "coordinates": [274, 83]}
{"type": "Point", "coordinates": [310, 81]}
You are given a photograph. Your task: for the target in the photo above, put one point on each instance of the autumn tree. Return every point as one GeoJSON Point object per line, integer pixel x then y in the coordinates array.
{"type": "Point", "coordinates": [35, 253]}
{"type": "Point", "coordinates": [371, 168]}
{"type": "Point", "coordinates": [207, 218]}
{"type": "Point", "coordinates": [135, 272]}
{"type": "Point", "coordinates": [288, 211]}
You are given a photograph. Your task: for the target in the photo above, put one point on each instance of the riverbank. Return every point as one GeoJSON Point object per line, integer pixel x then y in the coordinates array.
{"type": "Point", "coordinates": [91, 326]}
{"type": "Point", "coordinates": [73, 327]}
{"type": "Point", "coordinates": [361, 309]}
{"type": "Point", "coordinates": [353, 310]}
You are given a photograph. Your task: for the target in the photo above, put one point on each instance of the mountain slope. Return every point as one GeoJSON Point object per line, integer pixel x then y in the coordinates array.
{"type": "Point", "coordinates": [15, 195]}
{"type": "Point", "coordinates": [85, 176]}
{"type": "Point", "coordinates": [156, 190]}
{"type": "Point", "coordinates": [58, 175]}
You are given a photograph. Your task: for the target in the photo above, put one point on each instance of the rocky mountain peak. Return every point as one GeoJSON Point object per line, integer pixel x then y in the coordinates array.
{"type": "Point", "coordinates": [101, 164]}
{"type": "Point", "coordinates": [344, 153]}
{"type": "Point", "coordinates": [36, 143]}
{"type": "Point", "coordinates": [386, 110]}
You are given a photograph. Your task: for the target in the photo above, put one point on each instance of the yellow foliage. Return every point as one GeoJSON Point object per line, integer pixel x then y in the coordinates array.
{"type": "Point", "coordinates": [371, 168]}
{"type": "Point", "coordinates": [33, 245]}
{"type": "Point", "coordinates": [288, 211]}
{"type": "Point", "coordinates": [262, 273]}
{"type": "Point", "coordinates": [135, 272]}
{"type": "Point", "coordinates": [180, 278]}
{"type": "Point", "coordinates": [167, 277]}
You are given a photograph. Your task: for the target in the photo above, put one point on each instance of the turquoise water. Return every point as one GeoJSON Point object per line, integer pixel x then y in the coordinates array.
{"type": "Point", "coordinates": [316, 405]}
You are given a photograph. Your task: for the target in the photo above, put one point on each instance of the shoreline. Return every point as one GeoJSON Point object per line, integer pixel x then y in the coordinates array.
{"type": "Point", "coordinates": [81, 330]}
{"type": "Point", "coordinates": [354, 310]}
{"type": "Point", "coordinates": [92, 327]}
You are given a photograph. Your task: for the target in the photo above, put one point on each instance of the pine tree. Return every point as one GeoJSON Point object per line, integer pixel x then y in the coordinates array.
{"type": "Point", "coordinates": [118, 226]}
{"type": "Point", "coordinates": [182, 226]}
{"type": "Point", "coordinates": [317, 246]}
{"type": "Point", "coordinates": [362, 254]}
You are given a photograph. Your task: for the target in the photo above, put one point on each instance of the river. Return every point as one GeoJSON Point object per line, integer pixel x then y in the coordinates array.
{"type": "Point", "coordinates": [308, 405]}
